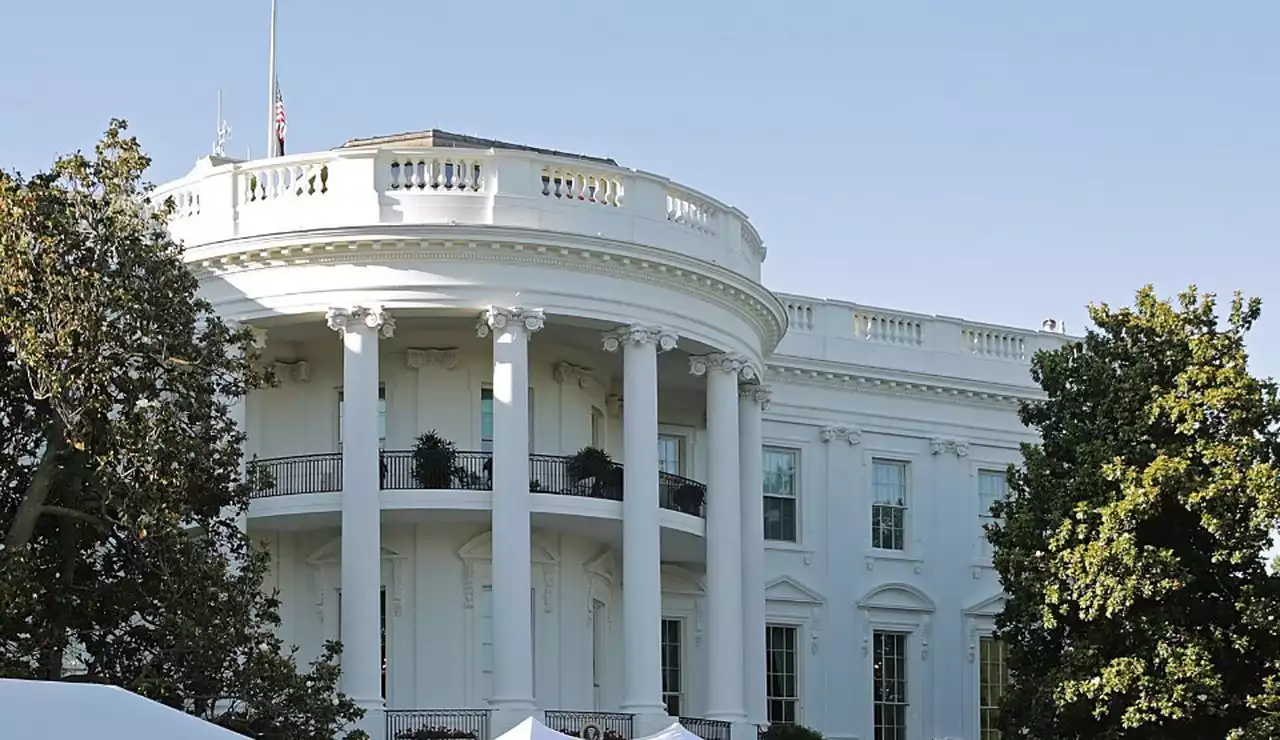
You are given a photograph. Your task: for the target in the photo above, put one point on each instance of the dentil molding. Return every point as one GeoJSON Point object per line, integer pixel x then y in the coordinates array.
{"type": "Point", "coordinates": [445, 357]}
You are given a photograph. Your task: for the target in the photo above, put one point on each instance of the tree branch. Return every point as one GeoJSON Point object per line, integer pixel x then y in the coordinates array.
{"type": "Point", "coordinates": [73, 514]}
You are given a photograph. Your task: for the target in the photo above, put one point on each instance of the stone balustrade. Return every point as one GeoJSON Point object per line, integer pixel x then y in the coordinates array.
{"type": "Point", "coordinates": [222, 200]}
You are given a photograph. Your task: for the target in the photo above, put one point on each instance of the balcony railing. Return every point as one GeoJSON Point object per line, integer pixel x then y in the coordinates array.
{"type": "Point", "coordinates": [438, 724]}
{"type": "Point", "coordinates": [284, 476]}
{"type": "Point", "coordinates": [607, 725]}
{"type": "Point", "coordinates": [468, 471]}
{"type": "Point", "coordinates": [707, 729]}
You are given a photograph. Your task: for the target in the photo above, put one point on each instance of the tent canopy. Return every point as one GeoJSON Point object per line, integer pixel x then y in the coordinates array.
{"type": "Point", "coordinates": [532, 729]}
{"type": "Point", "coordinates": [676, 731]}
{"type": "Point", "coordinates": [53, 710]}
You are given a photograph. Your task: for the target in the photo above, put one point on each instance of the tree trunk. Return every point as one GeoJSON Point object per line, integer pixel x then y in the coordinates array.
{"type": "Point", "coordinates": [24, 520]}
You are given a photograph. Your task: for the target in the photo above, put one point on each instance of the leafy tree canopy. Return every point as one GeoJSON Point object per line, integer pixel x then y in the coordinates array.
{"type": "Point", "coordinates": [1132, 542]}
{"type": "Point", "coordinates": [120, 463]}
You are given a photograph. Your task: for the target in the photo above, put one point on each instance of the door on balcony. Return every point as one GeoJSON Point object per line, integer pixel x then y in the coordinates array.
{"type": "Point", "coordinates": [599, 644]}
{"type": "Point", "coordinates": [382, 626]}
{"type": "Point", "coordinates": [486, 419]}
{"type": "Point", "coordinates": [382, 417]}
{"type": "Point", "coordinates": [670, 454]}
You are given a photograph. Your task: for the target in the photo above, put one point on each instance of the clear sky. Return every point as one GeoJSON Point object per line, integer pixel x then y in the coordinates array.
{"type": "Point", "coordinates": [999, 160]}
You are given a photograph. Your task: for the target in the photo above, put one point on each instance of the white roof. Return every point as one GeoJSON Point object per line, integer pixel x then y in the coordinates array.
{"type": "Point", "coordinates": [676, 731]}
{"type": "Point", "coordinates": [52, 710]}
{"type": "Point", "coordinates": [532, 729]}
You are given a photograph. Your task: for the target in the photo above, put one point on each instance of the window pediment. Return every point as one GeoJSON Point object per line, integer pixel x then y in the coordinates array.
{"type": "Point", "coordinates": [789, 590]}
{"type": "Point", "coordinates": [897, 597]}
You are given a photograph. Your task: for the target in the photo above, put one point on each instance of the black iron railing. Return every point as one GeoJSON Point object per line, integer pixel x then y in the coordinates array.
{"type": "Point", "coordinates": [283, 476]}
{"type": "Point", "coordinates": [468, 471]}
{"type": "Point", "coordinates": [437, 724]}
{"type": "Point", "coordinates": [678, 493]}
{"type": "Point", "coordinates": [707, 729]}
{"type": "Point", "coordinates": [608, 725]}
{"type": "Point", "coordinates": [560, 474]}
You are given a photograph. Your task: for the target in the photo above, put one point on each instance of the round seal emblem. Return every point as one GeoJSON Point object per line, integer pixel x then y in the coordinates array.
{"type": "Point", "coordinates": [590, 732]}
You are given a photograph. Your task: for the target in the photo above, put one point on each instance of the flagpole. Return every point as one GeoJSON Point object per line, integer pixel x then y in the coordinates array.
{"type": "Point", "coordinates": [271, 87]}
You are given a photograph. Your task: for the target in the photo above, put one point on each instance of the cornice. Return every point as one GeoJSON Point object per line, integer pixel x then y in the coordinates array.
{"type": "Point", "coordinates": [885, 381]}
{"type": "Point", "coordinates": [575, 252]}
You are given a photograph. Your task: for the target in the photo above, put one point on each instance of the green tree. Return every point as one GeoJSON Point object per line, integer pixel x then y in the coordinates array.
{"type": "Point", "coordinates": [1132, 542]}
{"type": "Point", "coordinates": [120, 463]}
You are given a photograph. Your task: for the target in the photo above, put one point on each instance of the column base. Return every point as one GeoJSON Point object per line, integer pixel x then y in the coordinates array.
{"type": "Point", "coordinates": [508, 714]}
{"type": "Point", "coordinates": [647, 721]}
{"type": "Point", "coordinates": [374, 721]}
{"type": "Point", "coordinates": [744, 731]}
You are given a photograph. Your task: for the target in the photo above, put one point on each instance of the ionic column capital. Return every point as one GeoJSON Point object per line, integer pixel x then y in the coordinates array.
{"type": "Point", "coordinates": [756, 393]}
{"type": "Point", "coordinates": [376, 318]}
{"type": "Point", "coordinates": [727, 362]}
{"type": "Point", "coordinates": [639, 334]}
{"type": "Point", "coordinates": [497, 318]}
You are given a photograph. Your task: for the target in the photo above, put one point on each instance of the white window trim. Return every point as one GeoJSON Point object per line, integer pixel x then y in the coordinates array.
{"type": "Point", "coordinates": [912, 536]}
{"type": "Point", "coordinates": [800, 626]}
{"type": "Point", "coordinates": [798, 486]}
{"type": "Point", "coordinates": [687, 435]}
{"type": "Point", "coordinates": [914, 616]}
{"type": "Point", "coordinates": [980, 558]}
{"type": "Point", "coordinates": [979, 621]}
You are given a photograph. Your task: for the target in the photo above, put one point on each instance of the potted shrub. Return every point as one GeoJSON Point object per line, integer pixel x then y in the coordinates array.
{"type": "Point", "coordinates": [595, 465]}
{"type": "Point", "coordinates": [688, 498]}
{"type": "Point", "coordinates": [783, 731]}
{"type": "Point", "coordinates": [435, 461]}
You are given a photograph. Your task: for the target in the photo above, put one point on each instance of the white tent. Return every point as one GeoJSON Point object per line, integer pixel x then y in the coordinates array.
{"type": "Point", "coordinates": [532, 729]}
{"type": "Point", "coordinates": [676, 731]}
{"type": "Point", "coordinates": [52, 710]}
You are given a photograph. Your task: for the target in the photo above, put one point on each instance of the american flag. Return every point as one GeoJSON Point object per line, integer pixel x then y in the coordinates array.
{"type": "Point", "coordinates": [281, 126]}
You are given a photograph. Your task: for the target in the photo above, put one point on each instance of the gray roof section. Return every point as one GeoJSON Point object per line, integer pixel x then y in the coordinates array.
{"type": "Point", "coordinates": [437, 139]}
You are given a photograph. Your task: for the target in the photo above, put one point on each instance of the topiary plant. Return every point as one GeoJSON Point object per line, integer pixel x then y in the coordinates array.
{"type": "Point", "coordinates": [435, 461]}
{"type": "Point", "coordinates": [785, 731]}
{"type": "Point", "coordinates": [593, 464]}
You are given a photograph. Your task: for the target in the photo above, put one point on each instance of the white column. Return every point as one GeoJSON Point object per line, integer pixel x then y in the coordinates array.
{"type": "Point", "coordinates": [752, 400]}
{"type": "Point", "coordinates": [361, 632]}
{"type": "Point", "coordinates": [724, 536]}
{"type": "Point", "coordinates": [641, 536]}
{"type": "Point", "coordinates": [512, 698]}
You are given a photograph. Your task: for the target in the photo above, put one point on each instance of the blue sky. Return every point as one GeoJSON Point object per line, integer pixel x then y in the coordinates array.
{"type": "Point", "coordinates": [998, 160]}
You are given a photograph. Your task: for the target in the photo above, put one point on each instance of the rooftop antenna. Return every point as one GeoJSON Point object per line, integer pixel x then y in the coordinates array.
{"type": "Point", "coordinates": [223, 132]}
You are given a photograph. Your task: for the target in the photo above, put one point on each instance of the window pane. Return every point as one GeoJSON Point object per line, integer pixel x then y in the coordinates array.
{"type": "Point", "coordinates": [486, 419]}
{"type": "Point", "coordinates": [779, 471]}
{"type": "Point", "coordinates": [672, 680]}
{"type": "Point", "coordinates": [779, 518]}
{"type": "Point", "coordinates": [889, 685]}
{"type": "Point", "coordinates": [782, 673]}
{"type": "Point", "coordinates": [993, 679]}
{"type": "Point", "coordinates": [669, 454]}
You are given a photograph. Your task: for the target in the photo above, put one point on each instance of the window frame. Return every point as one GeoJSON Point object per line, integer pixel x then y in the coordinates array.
{"type": "Point", "coordinates": [981, 473]}
{"type": "Point", "coordinates": [681, 695]}
{"type": "Point", "coordinates": [798, 671]}
{"type": "Point", "coordinates": [488, 387]}
{"type": "Point", "coordinates": [906, 464]}
{"type": "Point", "coordinates": [981, 661]}
{"type": "Point", "coordinates": [904, 656]}
{"type": "Point", "coordinates": [384, 414]}
{"type": "Point", "coordinates": [682, 452]}
{"type": "Point", "coordinates": [797, 455]}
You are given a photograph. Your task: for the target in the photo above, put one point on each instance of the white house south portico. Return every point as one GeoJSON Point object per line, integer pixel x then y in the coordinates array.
{"type": "Point", "coordinates": [569, 458]}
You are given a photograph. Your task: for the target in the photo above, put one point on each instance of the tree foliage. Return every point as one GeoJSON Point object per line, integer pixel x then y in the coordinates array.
{"type": "Point", "coordinates": [1132, 542]}
{"type": "Point", "coordinates": [120, 463]}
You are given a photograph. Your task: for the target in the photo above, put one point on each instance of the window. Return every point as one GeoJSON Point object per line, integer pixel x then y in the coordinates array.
{"type": "Point", "coordinates": [993, 485]}
{"type": "Point", "coordinates": [889, 505]}
{"type": "Point", "coordinates": [382, 622]}
{"type": "Point", "coordinates": [993, 677]}
{"type": "Point", "coordinates": [484, 633]}
{"type": "Point", "coordinates": [780, 468]}
{"type": "Point", "coordinates": [670, 454]}
{"type": "Point", "coordinates": [889, 685]}
{"type": "Point", "coordinates": [382, 416]}
{"type": "Point", "coordinates": [782, 673]}
{"type": "Point", "coordinates": [672, 664]}
{"type": "Point", "coordinates": [599, 643]}
{"type": "Point", "coordinates": [597, 428]}
{"type": "Point", "coordinates": [486, 419]}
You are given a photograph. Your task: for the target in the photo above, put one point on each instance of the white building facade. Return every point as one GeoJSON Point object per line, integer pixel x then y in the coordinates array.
{"type": "Point", "coordinates": [788, 524]}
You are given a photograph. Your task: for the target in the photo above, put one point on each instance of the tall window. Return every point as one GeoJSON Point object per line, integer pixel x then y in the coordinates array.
{"type": "Point", "coordinates": [670, 457]}
{"type": "Point", "coordinates": [993, 677]}
{"type": "Point", "coordinates": [486, 419]}
{"type": "Point", "coordinates": [780, 473]}
{"type": "Point", "coordinates": [672, 666]}
{"type": "Point", "coordinates": [382, 622]}
{"type": "Point", "coordinates": [782, 673]}
{"type": "Point", "coordinates": [993, 485]}
{"type": "Point", "coordinates": [889, 505]}
{"type": "Point", "coordinates": [597, 428]}
{"type": "Point", "coordinates": [889, 685]}
{"type": "Point", "coordinates": [382, 416]}
{"type": "Point", "coordinates": [599, 643]}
